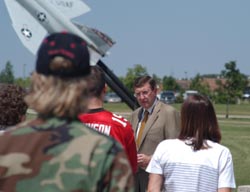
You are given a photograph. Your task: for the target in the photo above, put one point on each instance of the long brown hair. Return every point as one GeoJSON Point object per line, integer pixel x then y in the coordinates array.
{"type": "Point", "coordinates": [199, 122]}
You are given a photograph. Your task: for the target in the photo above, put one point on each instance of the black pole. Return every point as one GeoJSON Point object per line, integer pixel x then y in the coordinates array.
{"type": "Point", "coordinates": [116, 85]}
{"type": "Point", "coordinates": [227, 108]}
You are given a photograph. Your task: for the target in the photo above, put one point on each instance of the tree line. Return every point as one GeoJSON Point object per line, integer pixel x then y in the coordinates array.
{"type": "Point", "coordinates": [230, 84]}
{"type": "Point", "coordinates": [7, 76]}
{"type": "Point", "coordinates": [228, 91]}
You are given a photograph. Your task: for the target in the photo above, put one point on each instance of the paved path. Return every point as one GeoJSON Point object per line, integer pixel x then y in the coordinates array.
{"type": "Point", "coordinates": [234, 116]}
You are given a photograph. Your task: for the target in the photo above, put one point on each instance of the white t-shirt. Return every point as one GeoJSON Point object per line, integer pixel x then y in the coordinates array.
{"type": "Point", "coordinates": [193, 171]}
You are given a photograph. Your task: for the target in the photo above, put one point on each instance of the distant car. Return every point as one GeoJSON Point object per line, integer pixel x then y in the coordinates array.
{"type": "Point", "coordinates": [158, 95]}
{"type": "Point", "coordinates": [167, 97]}
{"type": "Point", "coordinates": [246, 94]}
{"type": "Point", "coordinates": [188, 93]}
{"type": "Point", "coordinates": [112, 98]}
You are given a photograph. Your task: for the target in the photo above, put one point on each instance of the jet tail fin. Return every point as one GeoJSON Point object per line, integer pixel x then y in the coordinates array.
{"type": "Point", "coordinates": [102, 41]}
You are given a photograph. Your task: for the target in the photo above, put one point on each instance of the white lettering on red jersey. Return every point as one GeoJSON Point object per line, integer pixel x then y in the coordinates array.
{"type": "Point", "coordinates": [115, 126]}
{"type": "Point", "coordinates": [100, 127]}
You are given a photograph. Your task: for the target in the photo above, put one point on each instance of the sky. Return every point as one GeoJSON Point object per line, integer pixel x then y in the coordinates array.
{"type": "Point", "coordinates": [177, 38]}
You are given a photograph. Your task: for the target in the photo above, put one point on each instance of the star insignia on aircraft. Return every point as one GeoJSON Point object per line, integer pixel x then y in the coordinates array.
{"type": "Point", "coordinates": [41, 16]}
{"type": "Point", "coordinates": [26, 32]}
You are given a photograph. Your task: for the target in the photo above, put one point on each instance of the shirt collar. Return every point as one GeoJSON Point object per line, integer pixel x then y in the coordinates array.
{"type": "Point", "coordinates": [150, 109]}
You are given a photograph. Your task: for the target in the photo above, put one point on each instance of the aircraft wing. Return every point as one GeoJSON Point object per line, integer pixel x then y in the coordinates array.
{"type": "Point", "coordinates": [72, 8]}
{"type": "Point", "coordinates": [29, 31]}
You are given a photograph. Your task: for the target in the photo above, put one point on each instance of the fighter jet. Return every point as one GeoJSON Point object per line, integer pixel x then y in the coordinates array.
{"type": "Point", "coordinates": [34, 19]}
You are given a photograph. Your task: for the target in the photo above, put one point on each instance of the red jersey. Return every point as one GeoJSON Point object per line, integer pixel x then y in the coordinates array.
{"type": "Point", "coordinates": [115, 126]}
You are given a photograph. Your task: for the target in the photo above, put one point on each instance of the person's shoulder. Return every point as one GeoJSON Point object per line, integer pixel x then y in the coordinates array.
{"type": "Point", "coordinates": [170, 141]}
{"type": "Point", "coordinates": [86, 130]}
{"type": "Point", "coordinates": [73, 128]}
{"type": "Point", "coordinates": [136, 111]}
{"type": "Point", "coordinates": [218, 147]}
{"type": "Point", "coordinates": [100, 114]}
{"type": "Point", "coordinates": [72, 131]}
{"type": "Point", "coordinates": [165, 107]}
{"type": "Point", "coordinates": [22, 128]}
{"type": "Point", "coordinates": [169, 145]}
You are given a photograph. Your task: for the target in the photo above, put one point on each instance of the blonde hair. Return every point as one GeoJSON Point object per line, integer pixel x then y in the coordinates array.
{"type": "Point", "coordinates": [54, 96]}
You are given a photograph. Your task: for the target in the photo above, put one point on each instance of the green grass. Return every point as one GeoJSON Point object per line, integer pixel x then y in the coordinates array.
{"type": "Point", "coordinates": [117, 107]}
{"type": "Point", "coordinates": [241, 109]}
{"type": "Point", "coordinates": [236, 136]}
{"type": "Point", "coordinates": [236, 109]}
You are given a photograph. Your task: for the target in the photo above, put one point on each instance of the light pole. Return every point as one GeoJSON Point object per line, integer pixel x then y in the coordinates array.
{"type": "Point", "coordinates": [24, 74]}
{"type": "Point", "coordinates": [186, 75]}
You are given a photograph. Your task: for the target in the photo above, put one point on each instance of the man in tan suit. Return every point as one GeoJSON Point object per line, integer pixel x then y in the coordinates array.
{"type": "Point", "coordinates": [162, 122]}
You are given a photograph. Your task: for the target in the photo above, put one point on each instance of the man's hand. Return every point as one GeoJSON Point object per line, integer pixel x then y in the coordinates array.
{"type": "Point", "coordinates": [143, 160]}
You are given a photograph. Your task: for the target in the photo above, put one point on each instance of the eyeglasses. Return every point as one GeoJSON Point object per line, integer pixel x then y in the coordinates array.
{"type": "Point", "coordinates": [145, 93]}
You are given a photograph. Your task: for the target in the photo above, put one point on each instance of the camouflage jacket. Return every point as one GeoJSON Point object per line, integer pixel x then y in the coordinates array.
{"type": "Point", "coordinates": [60, 155]}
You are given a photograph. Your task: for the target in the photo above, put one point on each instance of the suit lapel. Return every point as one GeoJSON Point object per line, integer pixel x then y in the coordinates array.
{"type": "Point", "coordinates": [151, 120]}
{"type": "Point", "coordinates": [136, 119]}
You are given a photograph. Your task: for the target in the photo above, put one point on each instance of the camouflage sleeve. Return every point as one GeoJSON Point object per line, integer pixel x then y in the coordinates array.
{"type": "Point", "coordinates": [119, 176]}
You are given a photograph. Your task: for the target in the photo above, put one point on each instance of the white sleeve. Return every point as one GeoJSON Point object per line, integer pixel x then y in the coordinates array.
{"type": "Point", "coordinates": [154, 165]}
{"type": "Point", "coordinates": [226, 174]}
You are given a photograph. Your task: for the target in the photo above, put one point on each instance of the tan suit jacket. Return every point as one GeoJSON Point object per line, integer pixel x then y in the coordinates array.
{"type": "Point", "coordinates": [163, 123]}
